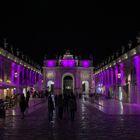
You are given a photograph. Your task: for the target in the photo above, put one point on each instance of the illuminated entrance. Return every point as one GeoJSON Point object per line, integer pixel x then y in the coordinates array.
{"type": "Point", "coordinates": [68, 83]}
{"type": "Point", "coordinates": [85, 87]}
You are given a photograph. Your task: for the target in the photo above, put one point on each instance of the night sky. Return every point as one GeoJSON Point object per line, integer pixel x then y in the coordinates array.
{"type": "Point", "coordinates": [44, 28]}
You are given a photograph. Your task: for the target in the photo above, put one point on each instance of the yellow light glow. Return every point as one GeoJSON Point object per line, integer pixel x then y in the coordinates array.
{"type": "Point", "coordinates": [126, 56]}
{"type": "Point", "coordinates": [50, 75]}
{"type": "Point", "coordinates": [1, 80]}
{"type": "Point", "coordinates": [134, 52]}
{"type": "Point", "coordinates": [8, 81]}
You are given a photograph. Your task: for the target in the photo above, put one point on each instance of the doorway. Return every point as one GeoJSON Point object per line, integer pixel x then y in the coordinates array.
{"type": "Point", "coordinates": [68, 84]}
{"type": "Point", "coordinates": [85, 87]}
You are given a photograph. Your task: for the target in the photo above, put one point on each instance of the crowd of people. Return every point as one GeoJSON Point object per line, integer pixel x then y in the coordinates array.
{"type": "Point", "coordinates": [61, 104]}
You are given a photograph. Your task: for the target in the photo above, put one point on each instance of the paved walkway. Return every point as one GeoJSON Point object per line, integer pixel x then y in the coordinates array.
{"type": "Point", "coordinates": [34, 104]}
{"type": "Point", "coordinates": [89, 124]}
{"type": "Point", "coordinates": [115, 107]}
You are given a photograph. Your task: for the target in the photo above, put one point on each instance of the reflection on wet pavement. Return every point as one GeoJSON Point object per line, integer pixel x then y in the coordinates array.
{"type": "Point", "coordinates": [115, 107]}
{"type": "Point", "coordinates": [89, 124]}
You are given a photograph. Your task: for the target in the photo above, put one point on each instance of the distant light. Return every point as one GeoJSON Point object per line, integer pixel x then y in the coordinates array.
{"type": "Point", "coordinates": [16, 74]}
{"type": "Point", "coordinates": [68, 63]}
{"type": "Point", "coordinates": [85, 63]}
{"type": "Point", "coordinates": [134, 52]}
{"type": "Point", "coordinates": [119, 75]}
{"type": "Point", "coordinates": [119, 60]}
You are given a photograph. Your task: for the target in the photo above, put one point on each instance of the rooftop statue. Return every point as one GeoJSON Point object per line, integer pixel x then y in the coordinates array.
{"type": "Point", "coordinates": [67, 55]}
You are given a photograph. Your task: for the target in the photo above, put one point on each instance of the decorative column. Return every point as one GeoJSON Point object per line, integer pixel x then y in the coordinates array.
{"type": "Point", "coordinates": [137, 66]}
{"type": "Point", "coordinates": [27, 77]}
{"type": "Point", "coordinates": [106, 85]}
{"type": "Point", "coordinates": [91, 81]}
{"type": "Point", "coordinates": [122, 74]}
{"type": "Point", "coordinates": [23, 82]}
{"type": "Point", "coordinates": [18, 78]}
{"type": "Point", "coordinates": [13, 72]}
{"type": "Point", "coordinates": [111, 74]}
{"type": "Point", "coordinates": [116, 82]}
{"type": "Point", "coordinates": [30, 78]}
{"type": "Point", "coordinates": [108, 78]}
{"type": "Point", "coordinates": [104, 82]}
{"type": "Point", "coordinates": [78, 81]}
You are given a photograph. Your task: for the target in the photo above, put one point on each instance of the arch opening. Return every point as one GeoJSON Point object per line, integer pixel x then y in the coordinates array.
{"type": "Point", "coordinates": [67, 83]}
{"type": "Point", "coordinates": [85, 87]}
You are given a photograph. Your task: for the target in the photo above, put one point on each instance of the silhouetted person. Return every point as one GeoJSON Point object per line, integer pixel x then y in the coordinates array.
{"type": "Point", "coordinates": [60, 106]}
{"type": "Point", "coordinates": [50, 107]}
{"type": "Point", "coordinates": [46, 93]}
{"type": "Point", "coordinates": [22, 104]}
{"type": "Point", "coordinates": [65, 102]}
{"type": "Point", "coordinates": [72, 106]}
{"type": "Point", "coordinates": [27, 98]}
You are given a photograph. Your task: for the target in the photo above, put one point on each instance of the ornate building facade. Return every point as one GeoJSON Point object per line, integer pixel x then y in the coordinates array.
{"type": "Point", "coordinates": [68, 74]}
{"type": "Point", "coordinates": [120, 79]}
{"type": "Point", "coordinates": [16, 76]}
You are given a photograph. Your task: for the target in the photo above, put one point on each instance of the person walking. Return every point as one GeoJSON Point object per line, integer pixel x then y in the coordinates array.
{"type": "Point", "coordinates": [22, 104]}
{"type": "Point", "coordinates": [27, 98]}
{"type": "Point", "coordinates": [72, 106]}
{"type": "Point", "coordinates": [66, 102]}
{"type": "Point", "coordinates": [60, 106]}
{"type": "Point", "coordinates": [56, 104]}
{"type": "Point", "coordinates": [50, 107]}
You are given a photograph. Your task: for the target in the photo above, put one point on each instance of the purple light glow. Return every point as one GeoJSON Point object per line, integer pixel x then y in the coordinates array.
{"type": "Point", "coordinates": [68, 63]}
{"type": "Point", "coordinates": [122, 73]}
{"type": "Point", "coordinates": [137, 66]}
{"type": "Point", "coordinates": [18, 71]}
{"type": "Point", "coordinates": [85, 63]}
{"type": "Point", "coordinates": [116, 74]}
{"type": "Point", "coordinates": [13, 72]}
{"type": "Point", "coordinates": [112, 80]}
{"type": "Point", "coordinates": [51, 63]}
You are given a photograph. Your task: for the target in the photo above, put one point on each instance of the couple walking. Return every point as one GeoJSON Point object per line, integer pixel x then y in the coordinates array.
{"type": "Point", "coordinates": [24, 103]}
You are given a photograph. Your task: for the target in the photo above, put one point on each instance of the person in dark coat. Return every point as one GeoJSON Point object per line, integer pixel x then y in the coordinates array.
{"type": "Point", "coordinates": [72, 106]}
{"type": "Point", "coordinates": [22, 104]}
{"type": "Point", "coordinates": [60, 106]}
{"type": "Point", "coordinates": [27, 98]}
{"type": "Point", "coordinates": [50, 107]}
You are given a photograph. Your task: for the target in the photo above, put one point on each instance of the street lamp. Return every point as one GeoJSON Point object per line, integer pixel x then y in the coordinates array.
{"type": "Point", "coordinates": [16, 74]}
{"type": "Point", "coordinates": [119, 75]}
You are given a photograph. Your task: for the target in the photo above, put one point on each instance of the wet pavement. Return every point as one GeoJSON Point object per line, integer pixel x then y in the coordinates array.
{"type": "Point", "coordinates": [90, 124]}
{"type": "Point", "coordinates": [34, 104]}
{"type": "Point", "coordinates": [116, 107]}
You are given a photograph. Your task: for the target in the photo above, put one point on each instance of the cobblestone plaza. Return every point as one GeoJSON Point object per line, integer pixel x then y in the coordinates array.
{"type": "Point", "coordinates": [90, 124]}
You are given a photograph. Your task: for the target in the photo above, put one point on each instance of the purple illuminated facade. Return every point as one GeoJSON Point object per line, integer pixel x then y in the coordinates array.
{"type": "Point", "coordinates": [68, 74]}
{"type": "Point", "coordinates": [16, 76]}
{"type": "Point", "coordinates": [120, 79]}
